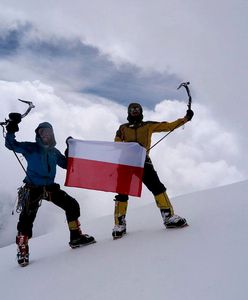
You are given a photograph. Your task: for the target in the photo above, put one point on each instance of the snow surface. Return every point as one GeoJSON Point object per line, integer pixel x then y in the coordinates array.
{"type": "Point", "coordinates": [206, 260]}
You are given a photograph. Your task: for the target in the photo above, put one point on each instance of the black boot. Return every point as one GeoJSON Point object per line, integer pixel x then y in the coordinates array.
{"type": "Point", "coordinates": [77, 239]}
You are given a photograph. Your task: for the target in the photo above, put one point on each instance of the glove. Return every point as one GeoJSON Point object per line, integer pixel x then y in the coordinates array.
{"type": "Point", "coordinates": [14, 120]}
{"type": "Point", "coordinates": [15, 117]}
{"type": "Point", "coordinates": [67, 144]}
{"type": "Point", "coordinates": [12, 127]}
{"type": "Point", "coordinates": [189, 114]}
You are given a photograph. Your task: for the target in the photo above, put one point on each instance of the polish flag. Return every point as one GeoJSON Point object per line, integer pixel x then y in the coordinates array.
{"type": "Point", "coordinates": [106, 166]}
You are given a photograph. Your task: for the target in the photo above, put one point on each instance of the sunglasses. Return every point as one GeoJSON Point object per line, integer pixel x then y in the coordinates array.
{"type": "Point", "coordinates": [135, 109]}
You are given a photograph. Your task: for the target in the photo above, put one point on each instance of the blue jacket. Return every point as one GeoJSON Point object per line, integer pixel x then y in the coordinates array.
{"type": "Point", "coordinates": [41, 161]}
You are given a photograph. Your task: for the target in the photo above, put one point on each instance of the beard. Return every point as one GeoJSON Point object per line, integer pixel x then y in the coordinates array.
{"type": "Point", "coordinates": [48, 140]}
{"type": "Point", "coordinates": [135, 119]}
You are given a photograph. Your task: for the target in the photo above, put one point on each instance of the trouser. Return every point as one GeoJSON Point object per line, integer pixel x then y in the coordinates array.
{"type": "Point", "coordinates": [153, 183]}
{"type": "Point", "coordinates": [51, 193]}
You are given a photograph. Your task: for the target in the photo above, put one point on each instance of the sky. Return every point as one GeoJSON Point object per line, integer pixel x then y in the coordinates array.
{"type": "Point", "coordinates": [81, 64]}
{"type": "Point", "coordinates": [206, 260]}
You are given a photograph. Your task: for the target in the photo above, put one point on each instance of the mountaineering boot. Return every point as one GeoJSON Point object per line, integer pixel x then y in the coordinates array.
{"type": "Point", "coordinates": [172, 221]}
{"type": "Point", "coordinates": [77, 238]}
{"type": "Point", "coordinates": [120, 219]}
{"type": "Point", "coordinates": [119, 229]}
{"type": "Point", "coordinates": [169, 218]}
{"type": "Point", "coordinates": [81, 240]}
{"type": "Point", "coordinates": [22, 250]}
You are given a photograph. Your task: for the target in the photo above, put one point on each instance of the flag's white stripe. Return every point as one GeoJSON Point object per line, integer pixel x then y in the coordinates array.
{"type": "Point", "coordinates": [119, 153]}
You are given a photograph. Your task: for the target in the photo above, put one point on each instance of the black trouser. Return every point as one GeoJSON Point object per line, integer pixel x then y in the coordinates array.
{"type": "Point", "coordinates": [150, 179]}
{"type": "Point", "coordinates": [51, 193]}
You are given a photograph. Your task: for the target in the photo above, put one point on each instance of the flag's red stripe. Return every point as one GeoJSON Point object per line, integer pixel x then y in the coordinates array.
{"type": "Point", "coordinates": [104, 176]}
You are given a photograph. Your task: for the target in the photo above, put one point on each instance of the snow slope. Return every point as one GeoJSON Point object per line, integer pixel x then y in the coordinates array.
{"type": "Point", "coordinates": [204, 261]}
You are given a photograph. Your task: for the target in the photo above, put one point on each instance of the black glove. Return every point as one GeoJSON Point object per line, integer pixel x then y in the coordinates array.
{"type": "Point", "coordinates": [14, 120]}
{"type": "Point", "coordinates": [67, 144]}
{"type": "Point", "coordinates": [189, 114]}
{"type": "Point", "coordinates": [15, 117]}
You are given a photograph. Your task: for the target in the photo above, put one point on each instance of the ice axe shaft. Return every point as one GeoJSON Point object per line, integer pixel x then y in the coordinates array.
{"type": "Point", "coordinates": [30, 106]}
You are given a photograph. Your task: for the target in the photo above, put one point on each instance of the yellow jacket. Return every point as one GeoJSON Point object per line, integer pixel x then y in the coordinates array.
{"type": "Point", "coordinates": [142, 133]}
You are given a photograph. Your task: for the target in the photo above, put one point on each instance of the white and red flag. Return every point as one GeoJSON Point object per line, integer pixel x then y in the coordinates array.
{"type": "Point", "coordinates": [106, 166]}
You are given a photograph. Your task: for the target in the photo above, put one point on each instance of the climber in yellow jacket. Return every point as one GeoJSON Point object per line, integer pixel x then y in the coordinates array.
{"type": "Point", "coordinates": [136, 130]}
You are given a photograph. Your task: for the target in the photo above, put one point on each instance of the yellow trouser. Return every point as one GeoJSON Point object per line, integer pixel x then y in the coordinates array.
{"type": "Point", "coordinates": [120, 211]}
{"type": "Point", "coordinates": [163, 202]}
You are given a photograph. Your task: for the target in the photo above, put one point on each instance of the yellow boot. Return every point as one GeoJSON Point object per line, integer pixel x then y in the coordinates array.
{"type": "Point", "coordinates": [169, 218]}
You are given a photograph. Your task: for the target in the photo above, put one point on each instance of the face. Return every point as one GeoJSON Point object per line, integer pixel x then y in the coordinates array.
{"type": "Point", "coordinates": [135, 110]}
{"type": "Point", "coordinates": [46, 135]}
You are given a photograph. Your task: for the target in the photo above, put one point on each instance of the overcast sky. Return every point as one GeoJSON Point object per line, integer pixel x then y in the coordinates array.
{"type": "Point", "coordinates": [82, 62]}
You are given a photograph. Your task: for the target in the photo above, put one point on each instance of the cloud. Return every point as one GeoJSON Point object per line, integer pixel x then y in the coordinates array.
{"type": "Point", "coordinates": [71, 64]}
{"type": "Point", "coordinates": [173, 41]}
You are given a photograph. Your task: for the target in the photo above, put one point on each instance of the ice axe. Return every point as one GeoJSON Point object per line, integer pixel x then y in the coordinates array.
{"type": "Point", "coordinates": [30, 106]}
{"type": "Point", "coordinates": [184, 84]}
